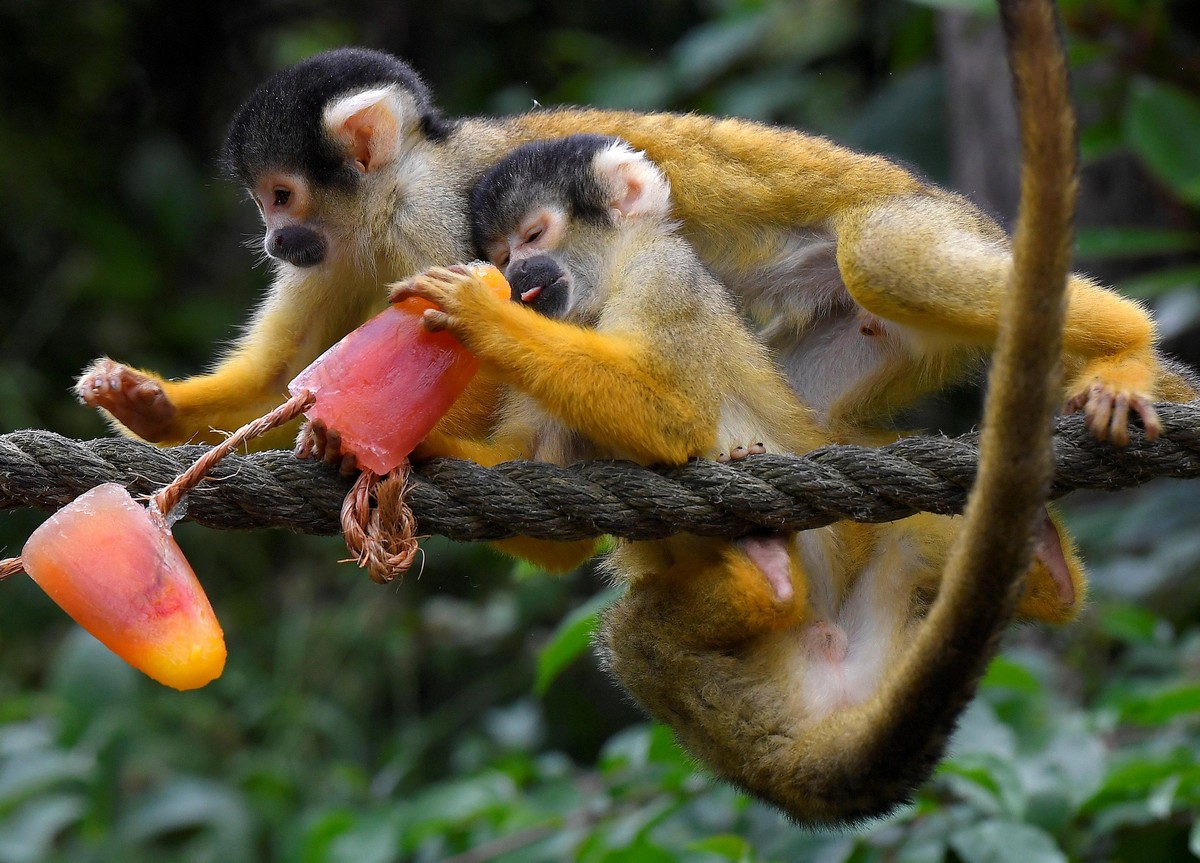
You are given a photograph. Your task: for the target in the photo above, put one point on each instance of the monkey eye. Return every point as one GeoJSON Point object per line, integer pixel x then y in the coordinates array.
{"type": "Point", "coordinates": [497, 253]}
{"type": "Point", "coordinates": [282, 196]}
{"type": "Point", "coordinates": [534, 234]}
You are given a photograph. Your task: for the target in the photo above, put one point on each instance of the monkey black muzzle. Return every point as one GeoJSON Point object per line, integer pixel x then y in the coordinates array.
{"type": "Point", "coordinates": [297, 245]}
{"type": "Point", "coordinates": [540, 283]}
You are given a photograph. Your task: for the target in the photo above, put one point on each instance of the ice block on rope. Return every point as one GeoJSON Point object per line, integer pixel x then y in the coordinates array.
{"type": "Point", "coordinates": [115, 568]}
{"type": "Point", "coordinates": [384, 386]}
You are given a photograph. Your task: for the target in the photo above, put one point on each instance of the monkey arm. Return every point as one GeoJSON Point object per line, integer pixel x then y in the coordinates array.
{"type": "Point", "coordinates": [933, 265]}
{"type": "Point", "coordinates": [193, 410]}
{"type": "Point", "coordinates": [613, 388]}
{"type": "Point", "coordinates": [298, 320]}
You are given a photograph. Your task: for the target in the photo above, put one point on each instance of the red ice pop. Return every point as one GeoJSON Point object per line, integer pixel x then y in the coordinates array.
{"type": "Point", "coordinates": [385, 385]}
{"type": "Point", "coordinates": [118, 572]}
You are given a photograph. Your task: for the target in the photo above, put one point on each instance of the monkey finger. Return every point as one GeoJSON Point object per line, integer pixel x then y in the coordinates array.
{"type": "Point", "coordinates": [423, 287]}
{"type": "Point", "coordinates": [1118, 428]}
{"type": "Point", "coordinates": [397, 291]}
{"type": "Point", "coordinates": [435, 320]}
{"type": "Point", "coordinates": [304, 442]}
{"type": "Point", "coordinates": [1098, 412]}
{"type": "Point", "coordinates": [349, 464]}
{"type": "Point", "coordinates": [1150, 421]}
{"type": "Point", "coordinates": [756, 449]}
{"type": "Point", "coordinates": [317, 438]}
{"type": "Point", "coordinates": [332, 453]}
{"type": "Point", "coordinates": [1075, 402]}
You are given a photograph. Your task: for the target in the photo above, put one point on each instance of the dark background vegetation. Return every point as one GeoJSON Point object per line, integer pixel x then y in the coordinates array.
{"type": "Point", "coordinates": [459, 715]}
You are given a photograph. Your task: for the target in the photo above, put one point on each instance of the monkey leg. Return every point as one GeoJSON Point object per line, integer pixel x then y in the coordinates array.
{"type": "Point", "coordinates": [712, 594]}
{"type": "Point", "coordinates": [933, 264]}
{"type": "Point", "coordinates": [1056, 585]}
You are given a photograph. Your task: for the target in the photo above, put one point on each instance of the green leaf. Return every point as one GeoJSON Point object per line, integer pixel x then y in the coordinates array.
{"type": "Point", "coordinates": [1157, 707]}
{"type": "Point", "coordinates": [28, 835]}
{"type": "Point", "coordinates": [32, 772]}
{"type": "Point", "coordinates": [1161, 282]}
{"type": "Point", "coordinates": [726, 845]}
{"type": "Point", "coordinates": [980, 7]}
{"type": "Point", "coordinates": [1100, 140]}
{"type": "Point", "coordinates": [1194, 839]}
{"type": "Point", "coordinates": [189, 804]}
{"type": "Point", "coordinates": [1005, 842]}
{"type": "Point", "coordinates": [1101, 243]}
{"type": "Point", "coordinates": [988, 782]}
{"type": "Point", "coordinates": [1128, 623]}
{"type": "Point", "coordinates": [375, 838]}
{"type": "Point", "coordinates": [642, 852]}
{"type": "Point", "coordinates": [1003, 673]}
{"type": "Point", "coordinates": [572, 638]}
{"type": "Point", "coordinates": [1162, 126]}
{"type": "Point", "coordinates": [711, 48]}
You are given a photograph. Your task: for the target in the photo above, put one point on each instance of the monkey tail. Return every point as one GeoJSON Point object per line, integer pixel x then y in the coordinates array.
{"type": "Point", "coordinates": [901, 734]}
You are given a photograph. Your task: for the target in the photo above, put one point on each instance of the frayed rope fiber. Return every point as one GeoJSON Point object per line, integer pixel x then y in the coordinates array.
{"type": "Point", "coordinates": [464, 501]}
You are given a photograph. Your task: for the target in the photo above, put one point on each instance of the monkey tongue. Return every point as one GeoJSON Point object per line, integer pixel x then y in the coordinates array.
{"type": "Point", "coordinates": [532, 294]}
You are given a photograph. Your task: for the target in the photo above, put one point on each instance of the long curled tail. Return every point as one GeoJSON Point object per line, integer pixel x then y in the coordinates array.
{"type": "Point", "coordinates": [902, 733]}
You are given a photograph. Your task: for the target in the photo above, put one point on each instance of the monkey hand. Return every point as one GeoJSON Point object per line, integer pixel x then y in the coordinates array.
{"type": "Point", "coordinates": [464, 303]}
{"type": "Point", "coordinates": [316, 440]}
{"type": "Point", "coordinates": [135, 399]}
{"type": "Point", "coordinates": [1107, 391]}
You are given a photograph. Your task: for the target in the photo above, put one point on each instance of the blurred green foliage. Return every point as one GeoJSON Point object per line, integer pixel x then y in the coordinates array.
{"type": "Point", "coordinates": [459, 716]}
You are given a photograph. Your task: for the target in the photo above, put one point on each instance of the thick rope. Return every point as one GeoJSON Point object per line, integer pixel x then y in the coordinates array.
{"type": "Point", "coordinates": [464, 501]}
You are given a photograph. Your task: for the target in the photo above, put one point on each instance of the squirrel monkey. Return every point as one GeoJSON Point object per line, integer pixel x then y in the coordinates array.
{"type": "Point", "coordinates": [840, 715]}
{"type": "Point", "coordinates": [647, 359]}
{"type": "Point", "coordinates": [871, 287]}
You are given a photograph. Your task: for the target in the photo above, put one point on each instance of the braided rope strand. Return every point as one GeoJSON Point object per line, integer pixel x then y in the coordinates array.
{"type": "Point", "coordinates": [464, 501]}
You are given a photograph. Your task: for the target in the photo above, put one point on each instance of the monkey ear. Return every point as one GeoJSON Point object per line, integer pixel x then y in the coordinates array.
{"type": "Point", "coordinates": [369, 124]}
{"type": "Point", "coordinates": [638, 187]}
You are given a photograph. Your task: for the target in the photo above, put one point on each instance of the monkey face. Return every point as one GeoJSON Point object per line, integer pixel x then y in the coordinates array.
{"type": "Point", "coordinates": [541, 283]}
{"type": "Point", "coordinates": [288, 210]}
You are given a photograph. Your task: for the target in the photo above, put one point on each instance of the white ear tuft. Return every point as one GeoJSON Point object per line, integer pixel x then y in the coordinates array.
{"type": "Point", "coordinates": [369, 124]}
{"type": "Point", "coordinates": [638, 186]}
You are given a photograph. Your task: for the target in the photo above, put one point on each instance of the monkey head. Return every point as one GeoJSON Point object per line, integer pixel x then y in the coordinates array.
{"type": "Point", "coordinates": [549, 212]}
{"type": "Point", "coordinates": [318, 144]}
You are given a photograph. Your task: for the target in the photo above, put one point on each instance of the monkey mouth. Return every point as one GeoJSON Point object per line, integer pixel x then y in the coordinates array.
{"type": "Point", "coordinates": [532, 294]}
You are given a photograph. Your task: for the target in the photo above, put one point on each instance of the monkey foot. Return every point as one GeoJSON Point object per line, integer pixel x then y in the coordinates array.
{"type": "Point", "coordinates": [738, 453]}
{"type": "Point", "coordinates": [1049, 551]}
{"type": "Point", "coordinates": [316, 440]}
{"type": "Point", "coordinates": [1106, 410]}
{"type": "Point", "coordinates": [770, 555]}
{"type": "Point", "coordinates": [135, 400]}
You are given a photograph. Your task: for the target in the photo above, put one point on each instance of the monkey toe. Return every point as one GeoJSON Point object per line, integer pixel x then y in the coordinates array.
{"type": "Point", "coordinates": [1108, 411]}
{"type": "Point", "coordinates": [741, 451]}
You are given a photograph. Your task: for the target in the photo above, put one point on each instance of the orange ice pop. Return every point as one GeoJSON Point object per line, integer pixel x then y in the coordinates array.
{"type": "Point", "coordinates": [385, 385]}
{"type": "Point", "coordinates": [117, 571]}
